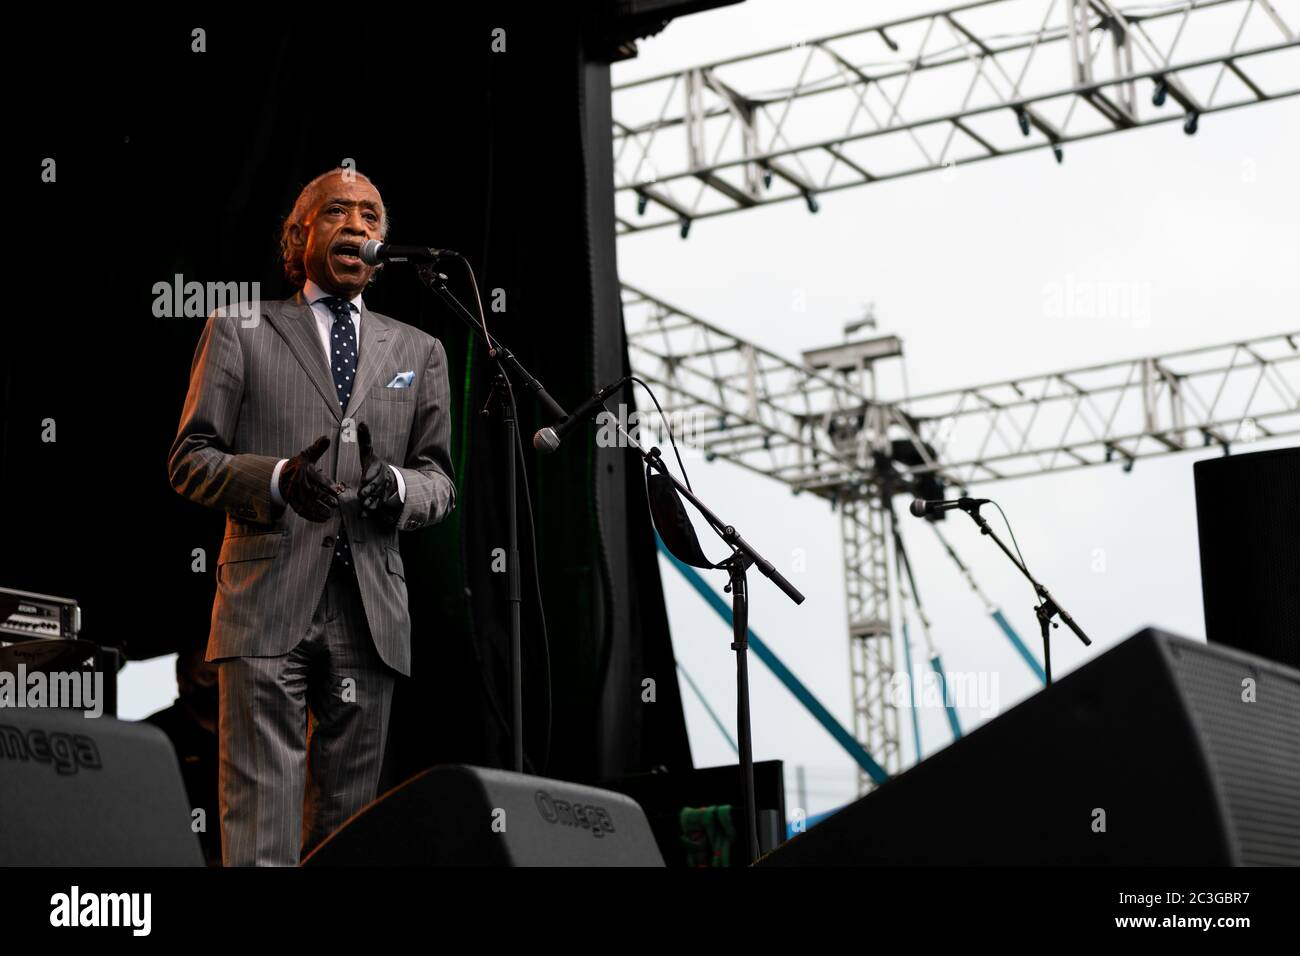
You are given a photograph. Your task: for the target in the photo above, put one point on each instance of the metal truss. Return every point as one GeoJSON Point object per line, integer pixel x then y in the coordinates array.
{"type": "Point", "coordinates": [864, 526]}
{"type": "Point", "coordinates": [828, 432]}
{"type": "Point", "coordinates": [972, 82]}
{"type": "Point", "coordinates": [731, 399]}
{"type": "Point", "coordinates": [1219, 395]}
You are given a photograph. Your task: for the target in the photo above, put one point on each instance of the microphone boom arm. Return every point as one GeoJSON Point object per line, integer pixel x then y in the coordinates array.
{"type": "Point", "coordinates": [437, 283]}
{"type": "Point", "coordinates": [1047, 607]}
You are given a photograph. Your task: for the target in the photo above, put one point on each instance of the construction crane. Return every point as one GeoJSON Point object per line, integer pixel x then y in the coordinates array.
{"type": "Point", "coordinates": [819, 426]}
{"type": "Point", "coordinates": [972, 82]}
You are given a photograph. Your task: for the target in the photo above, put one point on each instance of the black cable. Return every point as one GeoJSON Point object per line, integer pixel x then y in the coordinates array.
{"type": "Point", "coordinates": [494, 704]}
{"type": "Point", "coordinates": [537, 575]}
{"type": "Point", "coordinates": [528, 501]}
{"type": "Point", "coordinates": [478, 300]}
{"type": "Point", "coordinates": [1012, 533]}
{"type": "Point", "coordinates": [667, 427]}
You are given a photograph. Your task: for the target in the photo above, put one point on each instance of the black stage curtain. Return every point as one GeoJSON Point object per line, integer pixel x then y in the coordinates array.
{"type": "Point", "coordinates": [175, 162]}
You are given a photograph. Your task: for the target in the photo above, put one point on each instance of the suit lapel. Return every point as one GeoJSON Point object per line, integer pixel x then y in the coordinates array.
{"type": "Point", "coordinates": [376, 343]}
{"type": "Point", "coordinates": [297, 326]}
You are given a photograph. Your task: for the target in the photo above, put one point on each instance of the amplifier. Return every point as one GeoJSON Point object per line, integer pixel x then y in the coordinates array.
{"type": "Point", "coordinates": [25, 615]}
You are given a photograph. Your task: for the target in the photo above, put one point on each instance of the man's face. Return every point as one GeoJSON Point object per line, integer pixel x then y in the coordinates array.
{"type": "Point", "coordinates": [345, 215]}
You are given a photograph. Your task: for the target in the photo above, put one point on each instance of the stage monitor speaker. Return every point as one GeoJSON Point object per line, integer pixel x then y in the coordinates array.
{"type": "Point", "coordinates": [77, 791]}
{"type": "Point", "coordinates": [1248, 517]}
{"type": "Point", "coordinates": [469, 816]}
{"type": "Point", "coordinates": [1161, 752]}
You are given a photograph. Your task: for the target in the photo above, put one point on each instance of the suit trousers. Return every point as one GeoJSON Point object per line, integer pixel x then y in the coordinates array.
{"type": "Point", "coordinates": [303, 734]}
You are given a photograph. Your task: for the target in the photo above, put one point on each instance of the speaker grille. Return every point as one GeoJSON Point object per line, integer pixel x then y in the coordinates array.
{"type": "Point", "coordinates": [1253, 746]}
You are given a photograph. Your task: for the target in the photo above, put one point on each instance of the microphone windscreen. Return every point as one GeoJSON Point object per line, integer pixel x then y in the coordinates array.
{"type": "Point", "coordinates": [918, 507]}
{"type": "Point", "coordinates": [546, 441]}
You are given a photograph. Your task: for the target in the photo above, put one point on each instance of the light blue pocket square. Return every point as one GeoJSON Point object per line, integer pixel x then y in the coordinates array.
{"type": "Point", "coordinates": [402, 380]}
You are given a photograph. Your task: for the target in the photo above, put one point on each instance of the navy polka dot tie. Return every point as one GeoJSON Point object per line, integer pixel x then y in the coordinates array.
{"type": "Point", "coordinates": [343, 366]}
{"type": "Point", "coordinates": [343, 348]}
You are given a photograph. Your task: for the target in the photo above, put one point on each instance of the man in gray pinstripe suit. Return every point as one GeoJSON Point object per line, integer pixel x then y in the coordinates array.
{"type": "Point", "coordinates": [310, 623]}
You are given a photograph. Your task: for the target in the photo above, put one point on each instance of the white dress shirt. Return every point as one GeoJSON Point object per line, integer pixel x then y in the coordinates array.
{"type": "Point", "coordinates": [314, 294]}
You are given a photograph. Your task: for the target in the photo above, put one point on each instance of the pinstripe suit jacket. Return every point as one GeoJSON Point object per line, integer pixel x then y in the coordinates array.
{"type": "Point", "coordinates": [260, 390]}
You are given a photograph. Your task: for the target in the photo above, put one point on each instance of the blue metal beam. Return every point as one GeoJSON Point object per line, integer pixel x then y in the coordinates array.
{"type": "Point", "coordinates": [823, 716]}
{"type": "Point", "coordinates": [709, 710]}
{"type": "Point", "coordinates": [1019, 645]}
{"type": "Point", "coordinates": [943, 695]}
{"type": "Point", "coordinates": [911, 684]}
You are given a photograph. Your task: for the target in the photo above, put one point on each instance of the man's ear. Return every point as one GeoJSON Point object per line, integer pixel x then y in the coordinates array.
{"type": "Point", "coordinates": [296, 235]}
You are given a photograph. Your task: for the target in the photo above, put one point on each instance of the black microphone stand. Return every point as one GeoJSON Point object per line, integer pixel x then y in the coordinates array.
{"type": "Point", "coordinates": [743, 555]}
{"type": "Point", "coordinates": [437, 283]}
{"type": "Point", "coordinates": [1047, 607]}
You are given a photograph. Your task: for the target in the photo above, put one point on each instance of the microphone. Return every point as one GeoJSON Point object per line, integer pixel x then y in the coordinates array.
{"type": "Point", "coordinates": [922, 508]}
{"type": "Point", "coordinates": [373, 252]}
{"type": "Point", "coordinates": [548, 439]}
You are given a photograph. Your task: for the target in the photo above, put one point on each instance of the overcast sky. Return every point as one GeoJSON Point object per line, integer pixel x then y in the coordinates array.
{"type": "Point", "coordinates": [958, 264]}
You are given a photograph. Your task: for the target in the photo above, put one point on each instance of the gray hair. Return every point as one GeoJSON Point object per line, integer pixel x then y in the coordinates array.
{"type": "Point", "coordinates": [291, 251]}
